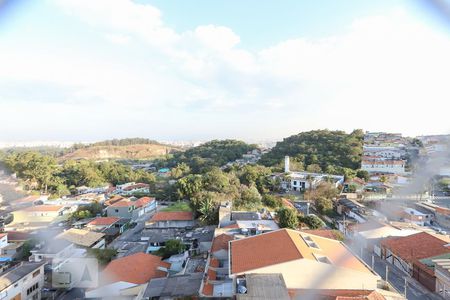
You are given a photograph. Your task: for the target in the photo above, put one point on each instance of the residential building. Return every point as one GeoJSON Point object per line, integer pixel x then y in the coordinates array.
{"type": "Point", "coordinates": [131, 188]}
{"type": "Point", "coordinates": [385, 166]}
{"type": "Point", "coordinates": [128, 276]}
{"type": "Point", "coordinates": [442, 273]}
{"type": "Point", "coordinates": [101, 223]}
{"type": "Point", "coordinates": [302, 259]}
{"type": "Point", "coordinates": [35, 217]}
{"type": "Point", "coordinates": [414, 216]}
{"type": "Point", "coordinates": [176, 287]}
{"type": "Point", "coordinates": [171, 219]}
{"type": "Point", "coordinates": [24, 281]}
{"type": "Point", "coordinates": [122, 209]}
{"type": "Point", "coordinates": [413, 255]}
{"type": "Point", "coordinates": [144, 205]}
{"type": "Point", "coordinates": [84, 238]}
{"type": "Point", "coordinates": [262, 286]}
{"type": "Point", "coordinates": [53, 249]}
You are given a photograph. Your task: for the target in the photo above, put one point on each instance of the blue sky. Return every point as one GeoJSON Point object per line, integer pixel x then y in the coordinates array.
{"type": "Point", "coordinates": [79, 70]}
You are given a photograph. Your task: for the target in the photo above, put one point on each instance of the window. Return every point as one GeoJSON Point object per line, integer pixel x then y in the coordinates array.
{"type": "Point", "coordinates": [36, 273]}
{"type": "Point", "coordinates": [309, 241]}
{"type": "Point", "coordinates": [32, 288]}
{"type": "Point", "coordinates": [116, 210]}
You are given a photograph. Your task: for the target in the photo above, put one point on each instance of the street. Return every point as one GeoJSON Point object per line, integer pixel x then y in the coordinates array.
{"type": "Point", "coordinates": [396, 277]}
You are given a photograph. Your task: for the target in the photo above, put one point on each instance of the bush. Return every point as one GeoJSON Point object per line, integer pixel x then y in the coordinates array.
{"type": "Point", "coordinates": [272, 201]}
{"type": "Point", "coordinates": [287, 218]}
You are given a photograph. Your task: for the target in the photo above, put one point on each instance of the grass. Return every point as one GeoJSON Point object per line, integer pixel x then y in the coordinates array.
{"type": "Point", "coordinates": [178, 206]}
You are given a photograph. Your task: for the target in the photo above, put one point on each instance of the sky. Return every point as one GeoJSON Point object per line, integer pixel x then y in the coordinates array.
{"type": "Point", "coordinates": [83, 70]}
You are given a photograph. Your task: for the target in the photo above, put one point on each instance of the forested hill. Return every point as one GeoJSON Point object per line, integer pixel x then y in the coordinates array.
{"type": "Point", "coordinates": [215, 153]}
{"type": "Point", "coordinates": [330, 150]}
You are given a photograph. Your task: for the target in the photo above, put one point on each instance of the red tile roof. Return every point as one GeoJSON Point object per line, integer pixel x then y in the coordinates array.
{"type": "Point", "coordinates": [417, 246]}
{"type": "Point", "coordinates": [172, 216]}
{"type": "Point", "coordinates": [2, 235]}
{"type": "Point", "coordinates": [18, 235]}
{"type": "Point", "coordinates": [326, 233]}
{"type": "Point", "coordinates": [143, 201]}
{"type": "Point", "coordinates": [220, 242]}
{"type": "Point", "coordinates": [231, 226]}
{"type": "Point", "coordinates": [138, 268]}
{"type": "Point", "coordinates": [44, 208]}
{"type": "Point", "coordinates": [208, 289]}
{"type": "Point", "coordinates": [123, 203]}
{"type": "Point", "coordinates": [212, 275]}
{"type": "Point", "coordinates": [337, 294]}
{"type": "Point", "coordinates": [103, 221]}
{"type": "Point", "coordinates": [214, 262]}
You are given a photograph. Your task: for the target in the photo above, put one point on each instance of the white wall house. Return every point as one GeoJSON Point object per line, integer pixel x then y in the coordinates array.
{"type": "Point", "coordinates": [384, 152]}
{"type": "Point", "coordinates": [386, 166]}
{"type": "Point", "coordinates": [24, 281]}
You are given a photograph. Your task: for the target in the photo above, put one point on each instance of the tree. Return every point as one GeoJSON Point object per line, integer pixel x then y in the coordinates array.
{"type": "Point", "coordinates": [208, 209]}
{"type": "Point", "coordinates": [182, 169]}
{"type": "Point", "coordinates": [363, 174]}
{"type": "Point", "coordinates": [287, 218]}
{"type": "Point", "coordinates": [170, 248]}
{"type": "Point", "coordinates": [314, 168]}
{"type": "Point", "coordinates": [103, 256]}
{"type": "Point", "coordinates": [272, 201]}
{"type": "Point", "coordinates": [324, 205]}
{"type": "Point", "coordinates": [250, 198]}
{"type": "Point", "coordinates": [312, 221]}
{"type": "Point", "coordinates": [189, 186]}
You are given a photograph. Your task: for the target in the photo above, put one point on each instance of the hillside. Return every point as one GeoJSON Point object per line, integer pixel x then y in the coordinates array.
{"type": "Point", "coordinates": [328, 149]}
{"type": "Point", "coordinates": [140, 151]}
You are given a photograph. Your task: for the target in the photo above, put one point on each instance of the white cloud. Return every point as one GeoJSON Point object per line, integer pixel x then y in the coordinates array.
{"type": "Point", "coordinates": [386, 72]}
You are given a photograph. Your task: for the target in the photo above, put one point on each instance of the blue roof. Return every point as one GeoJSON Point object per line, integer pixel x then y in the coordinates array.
{"type": "Point", "coordinates": [164, 170]}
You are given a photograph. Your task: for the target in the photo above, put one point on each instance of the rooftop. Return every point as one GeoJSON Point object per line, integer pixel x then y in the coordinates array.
{"type": "Point", "coordinates": [177, 286]}
{"type": "Point", "coordinates": [220, 242]}
{"type": "Point", "coordinates": [47, 208]}
{"type": "Point", "coordinates": [264, 287]}
{"type": "Point", "coordinates": [172, 216]}
{"type": "Point", "coordinates": [288, 245]}
{"type": "Point", "coordinates": [85, 238]}
{"type": "Point", "coordinates": [101, 221]}
{"type": "Point", "coordinates": [122, 203]}
{"type": "Point", "coordinates": [416, 246]}
{"type": "Point", "coordinates": [138, 268]}
{"type": "Point", "coordinates": [15, 274]}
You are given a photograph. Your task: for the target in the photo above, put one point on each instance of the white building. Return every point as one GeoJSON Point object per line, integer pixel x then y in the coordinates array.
{"type": "Point", "coordinates": [24, 281]}
{"type": "Point", "coordinates": [385, 166]}
{"type": "Point", "coordinates": [384, 152]}
{"type": "Point", "coordinates": [301, 181]}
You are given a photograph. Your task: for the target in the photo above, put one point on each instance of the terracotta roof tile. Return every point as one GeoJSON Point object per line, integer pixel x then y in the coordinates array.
{"type": "Point", "coordinates": [416, 246]}
{"type": "Point", "coordinates": [289, 245]}
{"type": "Point", "coordinates": [143, 201]}
{"type": "Point", "coordinates": [44, 208]}
{"type": "Point", "coordinates": [103, 221]}
{"type": "Point", "coordinates": [138, 268]}
{"type": "Point", "coordinates": [220, 242]}
{"type": "Point", "coordinates": [207, 289]}
{"type": "Point", "coordinates": [122, 203]}
{"type": "Point", "coordinates": [172, 216]}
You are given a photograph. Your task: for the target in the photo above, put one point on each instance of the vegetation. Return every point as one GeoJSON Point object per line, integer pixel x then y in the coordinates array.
{"type": "Point", "coordinates": [178, 206]}
{"type": "Point", "coordinates": [331, 151]}
{"type": "Point", "coordinates": [170, 248]}
{"type": "Point", "coordinates": [287, 218]}
{"type": "Point", "coordinates": [363, 174]}
{"type": "Point", "coordinates": [312, 221]}
{"type": "Point", "coordinates": [87, 211]}
{"type": "Point", "coordinates": [103, 256]}
{"type": "Point", "coordinates": [41, 172]}
{"type": "Point", "coordinates": [215, 153]}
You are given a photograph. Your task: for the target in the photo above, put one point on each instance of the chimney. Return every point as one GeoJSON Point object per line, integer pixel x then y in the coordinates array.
{"type": "Point", "coordinates": [286, 164]}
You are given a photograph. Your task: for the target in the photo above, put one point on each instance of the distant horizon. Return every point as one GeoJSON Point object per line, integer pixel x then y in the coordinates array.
{"type": "Point", "coordinates": [69, 143]}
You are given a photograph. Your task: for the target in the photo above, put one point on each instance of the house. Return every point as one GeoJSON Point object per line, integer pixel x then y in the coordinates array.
{"type": "Point", "coordinates": [129, 275]}
{"type": "Point", "coordinates": [414, 216]}
{"type": "Point", "coordinates": [122, 209]}
{"type": "Point", "coordinates": [302, 259]}
{"type": "Point", "coordinates": [176, 287]}
{"type": "Point", "coordinates": [442, 273]}
{"type": "Point", "coordinates": [9, 251]}
{"type": "Point", "coordinates": [131, 188]}
{"type": "Point", "coordinates": [24, 281]}
{"type": "Point", "coordinates": [384, 166]}
{"type": "Point", "coordinates": [257, 226]}
{"type": "Point", "coordinates": [144, 205]}
{"type": "Point", "coordinates": [101, 223]}
{"type": "Point", "coordinates": [37, 216]}
{"type": "Point", "coordinates": [408, 254]}
{"type": "Point", "coordinates": [171, 219]}
{"type": "Point", "coordinates": [83, 238]}
{"type": "Point", "coordinates": [262, 286]}
{"type": "Point", "coordinates": [216, 282]}
{"type": "Point", "coordinates": [47, 250]}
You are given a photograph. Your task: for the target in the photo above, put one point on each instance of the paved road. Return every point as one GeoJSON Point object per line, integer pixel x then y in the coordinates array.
{"type": "Point", "coordinates": [396, 277]}
{"type": "Point", "coordinates": [133, 233]}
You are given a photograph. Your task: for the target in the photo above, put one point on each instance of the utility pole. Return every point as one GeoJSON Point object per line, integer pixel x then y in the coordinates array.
{"type": "Point", "coordinates": [373, 262]}
{"type": "Point", "coordinates": [406, 285]}
{"type": "Point", "coordinates": [387, 271]}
